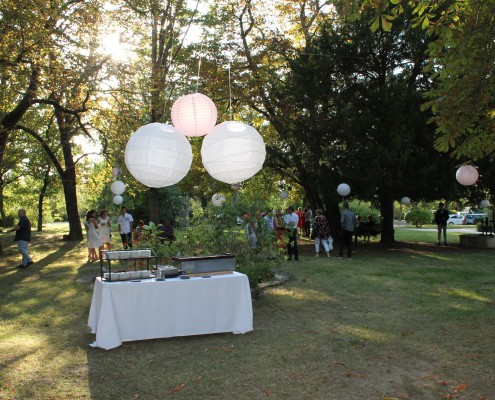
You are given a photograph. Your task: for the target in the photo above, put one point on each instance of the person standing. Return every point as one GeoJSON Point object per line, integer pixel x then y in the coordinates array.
{"type": "Point", "coordinates": [291, 221]}
{"type": "Point", "coordinates": [347, 222]}
{"type": "Point", "coordinates": [250, 228]}
{"type": "Point", "coordinates": [321, 233]}
{"type": "Point", "coordinates": [125, 227]}
{"type": "Point", "coordinates": [23, 237]}
{"type": "Point", "coordinates": [94, 240]}
{"type": "Point", "coordinates": [279, 226]}
{"type": "Point", "coordinates": [300, 223]}
{"type": "Point", "coordinates": [441, 217]}
{"type": "Point", "coordinates": [308, 218]}
{"type": "Point", "coordinates": [104, 229]}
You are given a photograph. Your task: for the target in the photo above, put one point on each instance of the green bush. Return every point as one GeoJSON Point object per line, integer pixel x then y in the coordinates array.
{"type": "Point", "coordinates": [217, 232]}
{"type": "Point", "coordinates": [418, 217]}
{"type": "Point", "coordinates": [363, 209]}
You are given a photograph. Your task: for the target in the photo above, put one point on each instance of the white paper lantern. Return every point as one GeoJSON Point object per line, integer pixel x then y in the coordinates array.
{"type": "Point", "coordinates": [115, 171]}
{"type": "Point", "coordinates": [467, 175]}
{"type": "Point", "coordinates": [284, 194]}
{"type": "Point", "coordinates": [158, 155]}
{"type": "Point", "coordinates": [117, 187]}
{"type": "Point", "coordinates": [405, 201]}
{"type": "Point", "coordinates": [343, 189]}
{"type": "Point", "coordinates": [118, 199]}
{"type": "Point", "coordinates": [485, 203]}
{"type": "Point", "coordinates": [233, 152]}
{"type": "Point", "coordinates": [218, 200]}
{"type": "Point", "coordinates": [194, 114]}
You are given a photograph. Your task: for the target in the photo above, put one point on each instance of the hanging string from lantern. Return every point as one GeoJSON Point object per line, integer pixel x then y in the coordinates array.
{"type": "Point", "coordinates": [230, 97]}
{"type": "Point", "coordinates": [199, 65]}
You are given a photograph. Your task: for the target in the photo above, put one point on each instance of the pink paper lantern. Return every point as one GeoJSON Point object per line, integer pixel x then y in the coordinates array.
{"type": "Point", "coordinates": [194, 114]}
{"type": "Point", "coordinates": [467, 175]}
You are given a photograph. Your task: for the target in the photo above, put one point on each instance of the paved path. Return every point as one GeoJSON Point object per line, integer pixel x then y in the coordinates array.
{"type": "Point", "coordinates": [461, 230]}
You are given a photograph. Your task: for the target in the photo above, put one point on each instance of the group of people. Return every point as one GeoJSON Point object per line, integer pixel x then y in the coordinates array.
{"type": "Point", "coordinates": [287, 228]}
{"type": "Point", "coordinates": [365, 229]}
{"type": "Point", "coordinates": [99, 231]}
{"type": "Point", "coordinates": [166, 232]}
{"type": "Point", "coordinates": [289, 225]}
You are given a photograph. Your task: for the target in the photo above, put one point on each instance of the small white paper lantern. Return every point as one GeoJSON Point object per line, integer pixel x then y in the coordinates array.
{"type": "Point", "coordinates": [115, 171]}
{"type": "Point", "coordinates": [194, 114]}
{"type": "Point", "coordinates": [284, 194]}
{"type": "Point", "coordinates": [405, 201]}
{"type": "Point", "coordinates": [158, 155]}
{"type": "Point", "coordinates": [233, 152]}
{"type": "Point", "coordinates": [343, 189]}
{"type": "Point", "coordinates": [467, 175]}
{"type": "Point", "coordinates": [117, 187]}
{"type": "Point", "coordinates": [218, 200]}
{"type": "Point", "coordinates": [118, 199]}
{"type": "Point", "coordinates": [485, 203]}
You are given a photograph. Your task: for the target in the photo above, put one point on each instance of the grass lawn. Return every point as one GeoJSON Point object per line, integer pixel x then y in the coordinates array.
{"type": "Point", "coordinates": [409, 321]}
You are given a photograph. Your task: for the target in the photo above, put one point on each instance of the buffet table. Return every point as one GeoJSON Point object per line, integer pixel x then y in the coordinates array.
{"type": "Point", "coordinates": [150, 309]}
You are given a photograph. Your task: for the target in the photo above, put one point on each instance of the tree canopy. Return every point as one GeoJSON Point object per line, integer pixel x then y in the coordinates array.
{"type": "Point", "coordinates": [380, 95]}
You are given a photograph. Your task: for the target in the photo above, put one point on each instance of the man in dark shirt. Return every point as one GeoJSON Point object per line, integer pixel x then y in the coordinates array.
{"type": "Point", "coordinates": [441, 217]}
{"type": "Point", "coordinates": [167, 232]}
{"type": "Point", "coordinates": [23, 237]}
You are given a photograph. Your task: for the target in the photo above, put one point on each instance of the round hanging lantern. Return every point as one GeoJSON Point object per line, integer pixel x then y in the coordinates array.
{"type": "Point", "coordinates": [194, 114]}
{"type": "Point", "coordinates": [343, 189]}
{"type": "Point", "coordinates": [485, 203]}
{"type": "Point", "coordinates": [467, 175]}
{"type": "Point", "coordinates": [118, 199]}
{"type": "Point", "coordinates": [218, 200]}
{"type": "Point", "coordinates": [115, 171]}
{"type": "Point", "coordinates": [233, 152]}
{"type": "Point", "coordinates": [405, 201]}
{"type": "Point", "coordinates": [117, 187]}
{"type": "Point", "coordinates": [158, 155]}
{"type": "Point", "coordinates": [284, 194]}
{"type": "Point", "coordinates": [235, 186]}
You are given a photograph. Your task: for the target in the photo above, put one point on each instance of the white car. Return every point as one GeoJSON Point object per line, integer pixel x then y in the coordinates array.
{"type": "Point", "coordinates": [455, 219]}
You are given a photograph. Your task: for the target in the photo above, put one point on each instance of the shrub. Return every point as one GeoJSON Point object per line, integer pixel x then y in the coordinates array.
{"type": "Point", "coordinates": [363, 209]}
{"type": "Point", "coordinates": [418, 217]}
{"type": "Point", "coordinates": [218, 232]}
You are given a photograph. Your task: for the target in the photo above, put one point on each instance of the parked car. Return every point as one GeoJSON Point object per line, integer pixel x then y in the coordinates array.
{"type": "Point", "coordinates": [455, 219]}
{"type": "Point", "coordinates": [473, 219]}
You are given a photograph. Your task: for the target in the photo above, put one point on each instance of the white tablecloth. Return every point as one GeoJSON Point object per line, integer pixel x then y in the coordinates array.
{"type": "Point", "coordinates": [125, 311]}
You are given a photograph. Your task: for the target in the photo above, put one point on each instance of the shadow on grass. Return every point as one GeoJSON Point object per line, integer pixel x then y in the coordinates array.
{"type": "Point", "coordinates": [394, 321]}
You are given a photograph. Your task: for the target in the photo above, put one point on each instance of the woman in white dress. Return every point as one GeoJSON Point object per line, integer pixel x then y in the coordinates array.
{"type": "Point", "coordinates": [94, 240]}
{"type": "Point", "coordinates": [104, 229]}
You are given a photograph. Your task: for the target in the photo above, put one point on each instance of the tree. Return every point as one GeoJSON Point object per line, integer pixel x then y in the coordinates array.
{"type": "Point", "coordinates": [34, 37]}
{"type": "Point", "coordinates": [461, 57]}
{"type": "Point", "coordinates": [149, 83]}
{"type": "Point", "coordinates": [346, 108]}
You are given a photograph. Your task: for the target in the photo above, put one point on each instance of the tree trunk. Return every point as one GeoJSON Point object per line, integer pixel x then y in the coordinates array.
{"type": "Point", "coordinates": [2, 207]}
{"type": "Point", "coordinates": [387, 219]}
{"type": "Point", "coordinates": [70, 194]}
{"type": "Point", "coordinates": [154, 204]}
{"type": "Point", "coordinates": [46, 182]}
{"type": "Point", "coordinates": [333, 216]}
{"type": "Point", "coordinates": [69, 178]}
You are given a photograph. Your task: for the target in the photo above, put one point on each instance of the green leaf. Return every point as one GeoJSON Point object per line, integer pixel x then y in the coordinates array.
{"type": "Point", "coordinates": [426, 23]}
{"type": "Point", "coordinates": [395, 1]}
{"type": "Point", "coordinates": [386, 24]}
{"type": "Point", "coordinates": [375, 24]}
